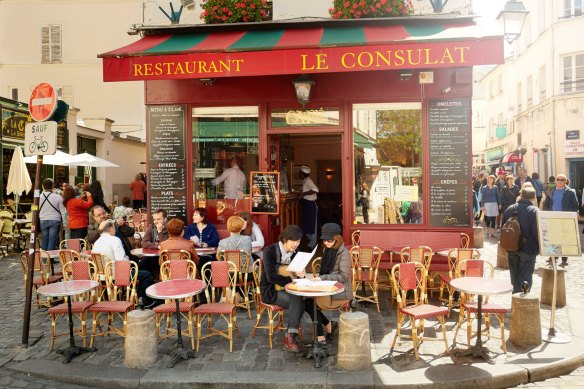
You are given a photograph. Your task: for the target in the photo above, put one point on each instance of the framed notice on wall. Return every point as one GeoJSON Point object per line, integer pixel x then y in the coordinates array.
{"type": "Point", "coordinates": [264, 192]}
{"type": "Point", "coordinates": [559, 235]}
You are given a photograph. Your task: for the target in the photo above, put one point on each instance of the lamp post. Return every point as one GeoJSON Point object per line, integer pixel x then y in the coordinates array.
{"type": "Point", "coordinates": [303, 88]}
{"type": "Point", "coordinates": [512, 17]}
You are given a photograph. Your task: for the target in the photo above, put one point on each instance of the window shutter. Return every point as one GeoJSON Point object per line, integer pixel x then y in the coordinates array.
{"type": "Point", "coordinates": [55, 44]}
{"type": "Point", "coordinates": [51, 44]}
{"type": "Point", "coordinates": [45, 45]}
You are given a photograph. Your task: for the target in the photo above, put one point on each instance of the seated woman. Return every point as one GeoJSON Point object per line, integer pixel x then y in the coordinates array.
{"type": "Point", "coordinates": [252, 230]}
{"type": "Point", "coordinates": [335, 265]}
{"type": "Point", "coordinates": [201, 232]}
{"type": "Point", "coordinates": [176, 241]}
{"type": "Point", "coordinates": [123, 211]}
{"type": "Point", "coordinates": [236, 241]}
{"type": "Point", "coordinates": [272, 283]}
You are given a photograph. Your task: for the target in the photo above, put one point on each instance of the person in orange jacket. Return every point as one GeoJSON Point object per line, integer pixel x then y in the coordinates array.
{"type": "Point", "coordinates": [77, 207]}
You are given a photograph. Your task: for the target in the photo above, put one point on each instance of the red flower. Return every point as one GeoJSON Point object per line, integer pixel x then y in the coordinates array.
{"type": "Point", "coordinates": [347, 4]}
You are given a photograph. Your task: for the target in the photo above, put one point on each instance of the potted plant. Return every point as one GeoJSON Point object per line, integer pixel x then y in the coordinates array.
{"type": "Point", "coordinates": [355, 9]}
{"type": "Point", "coordinates": [234, 11]}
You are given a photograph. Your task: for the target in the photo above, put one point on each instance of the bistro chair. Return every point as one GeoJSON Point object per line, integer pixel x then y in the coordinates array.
{"type": "Point", "coordinates": [100, 260]}
{"type": "Point", "coordinates": [241, 260]}
{"type": "Point", "coordinates": [365, 260]}
{"type": "Point", "coordinates": [356, 238]}
{"type": "Point", "coordinates": [410, 277]}
{"type": "Point", "coordinates": [25, 230]}
{"type": "Point", "coordinates": [172, 270]}
{"type": "Point", "coordinates": [171, 255]}
{"type": "Point", "coordinates": [42, 273]}
{"type": "Point", "coordinates": [121, 277]}
{"type": "Point", "coordinates": [78, 270]}
{"type": "Point", "coordinates": [78, 245]}
{"type": "Point", "coordinates": [464, 240]}
{"type": "Point", "coordinates": [455, 256]}
{"type": "Point", "coordinates": [420, 254]}
{"type": "Point", "coordinates": [222, 274]}
{"type": "Point", "coordinates": [469, 307]}
{"type": "Point", "coordinates": [315, 271]}
{"type": "Point", "coordinates": [3, 251]}
{"type": "Point", "coordinates": [6, 214]}
{"type": "Point", "coordinates": [273, 311]}
{"type": "Point", "coordinates": [68, 256]}
{"type": "Point", "coordinates": [9, 235]}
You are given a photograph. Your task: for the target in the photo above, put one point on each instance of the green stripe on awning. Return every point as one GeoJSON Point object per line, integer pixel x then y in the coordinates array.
{"type": "Point", "coordinates": [425, 30]}
{"type": "Point", "coordinates": [178, 43]}
{"type": "Point", "coordinates": [343, 36]}
{"type": "Point", "coordinates": [257, 40]}
{"type": "Point", "coordinates": [223, 129]}
{"type": "Point", "coordinates": [360, 141]}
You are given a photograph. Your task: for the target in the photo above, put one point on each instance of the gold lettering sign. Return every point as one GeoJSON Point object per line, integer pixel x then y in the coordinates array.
{"type": "Point", "coordinates": [170, 68]}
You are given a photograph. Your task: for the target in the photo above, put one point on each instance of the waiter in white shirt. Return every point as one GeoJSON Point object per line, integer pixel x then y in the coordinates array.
{"type": "Point", "coordinates": [234, 181]}
{"type": "Point", "coordinates": [309, 206]}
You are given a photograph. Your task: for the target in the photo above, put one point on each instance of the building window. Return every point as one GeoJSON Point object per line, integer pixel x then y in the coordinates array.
{"type": "Point", "coordinates": [573, 79]}
{"type": "Point", "coordinates": [542, 84]}
{"type": "Point", "coordinates": [572, 8]}
{"type": "Point", "coordinates": [519, 98]}
{"type": "Point", "coordinates": [529, 91]}
{"type": "Point", "coordinates": [13, 93]}
{"type": "Point", "coordinates": [500, 84]}
{"type": "Point", "coordinates": [387, 154]}
{"type": "Point", "coordinates": [51, 44]}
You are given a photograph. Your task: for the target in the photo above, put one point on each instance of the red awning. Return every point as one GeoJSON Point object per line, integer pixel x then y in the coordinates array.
{"type": "Point", "coordinates": [296, 48]}
{"type": "Point", "coordinates": [511, 158]}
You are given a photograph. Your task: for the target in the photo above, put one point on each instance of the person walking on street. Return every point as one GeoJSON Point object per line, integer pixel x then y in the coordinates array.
{"type": "Point", "coordinates": [51, 213]}
{"type": "Point", "coordinates": [523, 178]}
{"type": "Point", "coordinates": [538, 186]}
{"type": "Point", "coordinates": [364, 201]}
{"type": "Point", "coordinates": [137, 187]}
{"type": "Point", "coordinates": [509, 194]}
{"type": "Point", "coordinates": [561, 198]}
{"type": "Point", "coordinates": [490, 205]}
{"type": "Point", "coordinates": [309, 207]}
{"type": "Point", "coordinates": [522, 262]}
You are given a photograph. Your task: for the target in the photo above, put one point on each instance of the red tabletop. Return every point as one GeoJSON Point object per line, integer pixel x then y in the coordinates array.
{"type": "Point", "coordinates": [67, 288]}
{"type": "Point", "coordinates": [482, 286]}
{"type": "Point", "coordinates": [175, 289]}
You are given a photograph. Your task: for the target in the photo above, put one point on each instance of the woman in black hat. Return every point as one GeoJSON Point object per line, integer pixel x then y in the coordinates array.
{"type": "Point", "coordinates": [335, 265]}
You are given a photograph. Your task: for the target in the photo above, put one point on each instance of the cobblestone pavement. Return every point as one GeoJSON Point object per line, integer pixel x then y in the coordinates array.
{"type": "Point", "coordinates": [254, 354]}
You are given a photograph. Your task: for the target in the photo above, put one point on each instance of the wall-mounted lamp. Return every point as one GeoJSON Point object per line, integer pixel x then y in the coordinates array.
{"type": "Point", "coordinates": [512, 17]}
{"type": "Point", "coordinates": [329, 173]}
{"type": "Point", "coordinates": [405, 74]}
{"type": "Point", "coordinates": [207, 81]}
{"type": "Point", "coordinates": [303, 88]}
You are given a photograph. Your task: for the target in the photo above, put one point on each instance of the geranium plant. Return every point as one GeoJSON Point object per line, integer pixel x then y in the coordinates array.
{"type": "Point", "coordinates": [355, 9]}
{"type": "Point", "coordinates": [233, 11]}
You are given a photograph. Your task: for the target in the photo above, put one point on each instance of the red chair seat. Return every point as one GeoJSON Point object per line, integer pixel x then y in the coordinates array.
{"type": "Point", "coordinates": [486, 308]}
{"type": "Point", "coordinates": [171, 307]}
{"type": "Point", "coordinates": [215, 308]}
{"type": "Point", "coordinates": [39, 281]}
{"type": "Point", "coordinates": [445, 277]}
{"type": "Point", "coordinates": [424, 311]}
{"type": "Point", "coordinates": [76, 307]}
{"type": "Point", "coordinates": [111, 306]}
{"type": "Point", "coordinates": [273, 307]}
{"type": "Point", "coordinates": [385, 265]}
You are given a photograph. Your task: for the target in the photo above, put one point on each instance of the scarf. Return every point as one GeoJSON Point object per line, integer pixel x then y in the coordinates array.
{"type": "Point", "coordinates": [327, 263]}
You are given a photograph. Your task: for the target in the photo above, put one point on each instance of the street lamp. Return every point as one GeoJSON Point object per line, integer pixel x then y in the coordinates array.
{"type": "Point", "coordinates": [512, 17]}
{"type": "Point", "coordinates": [303, 88]}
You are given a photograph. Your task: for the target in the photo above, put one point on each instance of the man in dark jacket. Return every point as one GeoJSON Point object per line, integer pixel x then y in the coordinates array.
{"type": "Point", "coordinates": [523, 178]}
{"type": "Point", "coordinates": [561, 198]}
{"type": "Point", "coordinates": [522, 262]}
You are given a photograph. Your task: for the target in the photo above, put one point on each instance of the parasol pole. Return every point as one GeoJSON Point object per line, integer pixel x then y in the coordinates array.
{"type": "Point", "coordinates": [30, 253]}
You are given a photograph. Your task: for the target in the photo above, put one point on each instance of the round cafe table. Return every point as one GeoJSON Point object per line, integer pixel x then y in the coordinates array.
{"type": "Point", "coordinates": [317, 352]}
{"type": "Point", "coordinates": [140, 252]}
{"type": "Point", "coordinates": [177, 289]}
{"type": "Point", "coordinates": [69, 289]}
{"type": "Point", "coordinates": [481, 287]}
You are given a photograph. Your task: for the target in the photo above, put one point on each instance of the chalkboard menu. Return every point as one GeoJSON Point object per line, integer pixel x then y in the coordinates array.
{"type": "Point", "coordinates": [265, 197]}
{"type": "Point", "coordinates": [167, 181]}
{"type": "Point", "coordinates": [450, 155]}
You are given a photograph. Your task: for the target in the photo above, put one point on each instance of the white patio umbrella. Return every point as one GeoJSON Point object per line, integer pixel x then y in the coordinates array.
{"type": "Point", "coordinates": [18, 178]}
{"type": "Point", "coordinates": [89, 160]}
{"type": "Point", "coordinates": [59, 158]}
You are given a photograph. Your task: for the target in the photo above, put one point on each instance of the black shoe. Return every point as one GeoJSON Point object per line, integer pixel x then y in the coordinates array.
{"type": "Point", "coordinates": [331, 335]}
{"type": "Point", "coordinates": [354, 304]}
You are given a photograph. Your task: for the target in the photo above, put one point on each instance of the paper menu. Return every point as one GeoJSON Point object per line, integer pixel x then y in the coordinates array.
{"type": "Point", "coordinates": [300, 261]}
{"type": "Point", "coordinates": [305, 282]}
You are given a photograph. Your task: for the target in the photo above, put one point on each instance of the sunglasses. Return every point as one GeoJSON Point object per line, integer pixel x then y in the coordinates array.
{"type": "Point", "coordinates": [560, 179]}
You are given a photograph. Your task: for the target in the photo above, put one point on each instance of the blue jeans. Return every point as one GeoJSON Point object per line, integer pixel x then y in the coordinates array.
{"type": "Point", "coordinates": [50, 230]}
{"type": "Point", "coordinates": [521, 267]}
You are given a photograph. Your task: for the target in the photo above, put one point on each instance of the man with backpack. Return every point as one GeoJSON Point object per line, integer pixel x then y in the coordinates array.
{"type": "Point", "coordinates": [52, 214]}
{"type": "Point", "coordinates": [522, 261]}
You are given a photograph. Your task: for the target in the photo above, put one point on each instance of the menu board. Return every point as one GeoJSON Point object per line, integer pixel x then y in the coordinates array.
{"type": "Point", "coordinates": [265, 197]}
{"type": "Point", "coordinates": [450, 155]}
{"type": "Point", "coordinates": [167, 183]}
{"type": "Point", "coordinates": [559, 234]}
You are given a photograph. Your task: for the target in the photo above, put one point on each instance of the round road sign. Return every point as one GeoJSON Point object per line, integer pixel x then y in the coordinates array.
{"type": "Point", "coordinates": [43, 102]}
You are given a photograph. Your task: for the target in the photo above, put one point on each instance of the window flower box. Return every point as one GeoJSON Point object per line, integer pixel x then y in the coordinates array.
{"type": "Point", "coordinates": [355, 9]}
{"type": "Point", "coordinates": [235, 11]}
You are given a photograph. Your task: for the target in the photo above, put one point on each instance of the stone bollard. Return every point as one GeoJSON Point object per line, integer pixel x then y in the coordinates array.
{"type": "Point", "coordinates": [141, 343]}
{"type": "Point", "coordinates": [547, 287]}
{"type": "Point", "coordinates": [502, 259]}
{"type": "Point", "coordinates": [354, 341]}
{"type": "Point", "coordinates": [478, 237]}
{"type": "Point", "coordinates": [525, 323]}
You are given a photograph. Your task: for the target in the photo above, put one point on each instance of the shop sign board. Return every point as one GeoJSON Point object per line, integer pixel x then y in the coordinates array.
{"type": "Point", "coordinates": [559, 234]}
{"type": "Point", "coordinates": [40, 138]}
{"type": "Point", "coordinates": [265, 192]}
{"type": "Point", "coordinates": [14, 124]}
{"type": "Point", "coordinates": [574, 134]}
{"type": "Point", "coordinates": [574, 148]}
{"type": "Point", "coordinates": [450, 162]}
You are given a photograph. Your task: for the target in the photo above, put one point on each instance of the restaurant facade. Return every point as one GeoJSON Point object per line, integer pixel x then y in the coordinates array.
{"type": "Point", "coordinates": [378, 105]}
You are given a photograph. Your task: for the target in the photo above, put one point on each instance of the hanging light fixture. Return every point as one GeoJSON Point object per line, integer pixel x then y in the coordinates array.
{"type": "Point", "coordinates": [512, 17]}
{"type": "Point", "coordinates": [303, 88]}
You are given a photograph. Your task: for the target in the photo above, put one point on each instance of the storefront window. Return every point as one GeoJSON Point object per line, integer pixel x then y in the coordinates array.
{"type": "Point", "coordinates": [322, 117]}
{"type": "Point", "coordinates": [387, 140]}
{"type": "Point", "coordinates": [222, 138]}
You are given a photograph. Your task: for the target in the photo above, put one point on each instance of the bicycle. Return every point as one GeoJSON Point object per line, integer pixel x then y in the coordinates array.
{"type": "Point", "coordinates": [38, 144]}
